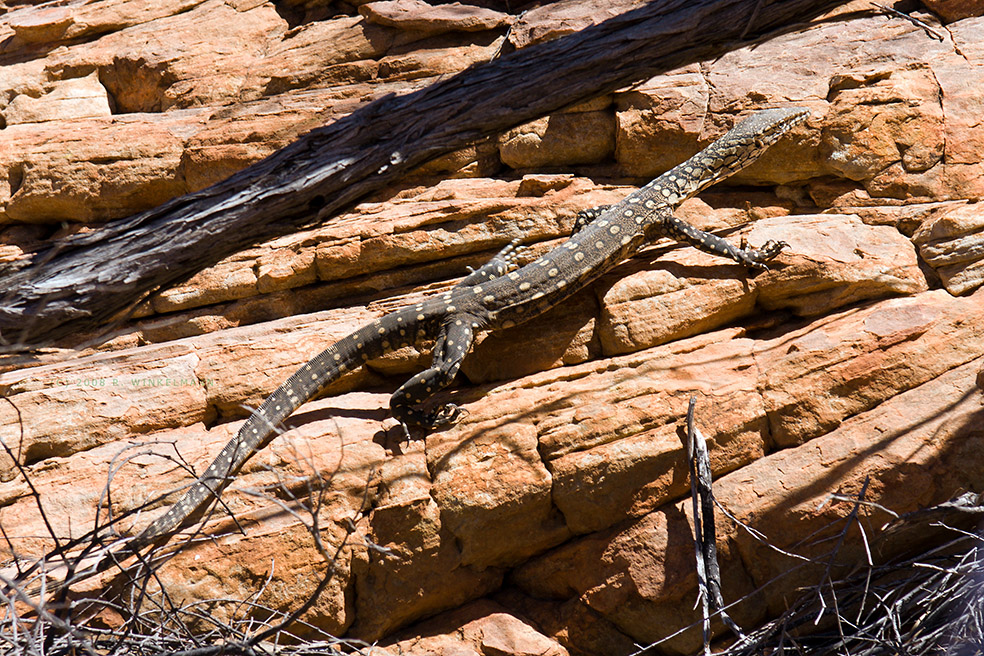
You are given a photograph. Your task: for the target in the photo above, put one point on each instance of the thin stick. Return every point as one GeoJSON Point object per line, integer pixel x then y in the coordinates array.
{"type": "Point", "coordinates": [705, 537]}
{"type": "Point", "coordinates": [915, 21]}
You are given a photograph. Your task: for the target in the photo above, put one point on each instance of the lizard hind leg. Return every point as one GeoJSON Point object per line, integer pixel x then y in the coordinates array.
{"type": "Point", "coordinates": [408, 402]}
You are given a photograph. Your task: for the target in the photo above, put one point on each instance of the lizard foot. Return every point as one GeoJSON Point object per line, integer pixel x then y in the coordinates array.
{"type": "Point", "coordinates": [757, 257]}
{"type": "Point", "coordinates": [445, 415]}
{"type": "Point", "coordinates": [439, 417]}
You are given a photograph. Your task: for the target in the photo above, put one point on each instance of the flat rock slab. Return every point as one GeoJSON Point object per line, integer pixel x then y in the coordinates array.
{"type": "Point", "coordinates": [419, 16]}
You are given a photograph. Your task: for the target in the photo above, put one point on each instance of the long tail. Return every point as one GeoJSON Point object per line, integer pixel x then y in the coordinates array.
{"type": "Point", "coordinates": [370, 341]}
{"type": "Point", "coordinates": [261, 427]}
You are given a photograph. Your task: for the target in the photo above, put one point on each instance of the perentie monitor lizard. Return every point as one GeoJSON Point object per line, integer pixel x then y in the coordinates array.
{"type": "Point", "coordinates": [495, 296]}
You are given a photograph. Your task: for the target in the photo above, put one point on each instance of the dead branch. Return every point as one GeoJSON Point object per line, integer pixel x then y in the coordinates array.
{"type": "Point", "coordinates": [705, 538]}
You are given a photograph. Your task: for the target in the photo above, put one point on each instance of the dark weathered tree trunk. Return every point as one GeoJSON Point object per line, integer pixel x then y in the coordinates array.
{"type": "Point", "coordinates": [81, 283]}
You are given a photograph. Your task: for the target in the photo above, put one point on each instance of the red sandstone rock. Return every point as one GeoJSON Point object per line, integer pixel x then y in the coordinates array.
{"type": "Point", "coordinates": [479, 628]}
{"type": "Point", "coordinates": [556, 19]}
{"type": "Point", "coordinates": [419, 16]}
{"type": "Point", "coordinates": [953, 244]}
{"type": "Point", "coordinates": [560, 140]}
{"type": "Point", "coordinates": [954, 10]}
{"type": "Point", "coordinates": [559, 493]}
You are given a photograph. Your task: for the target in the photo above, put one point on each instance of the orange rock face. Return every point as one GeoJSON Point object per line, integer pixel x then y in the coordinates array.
{"type": "Point", "coordinates": [553, 518]}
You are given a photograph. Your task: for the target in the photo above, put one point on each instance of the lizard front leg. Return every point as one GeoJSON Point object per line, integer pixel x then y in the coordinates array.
{"type": "Point", "coordinates": [671, 226]}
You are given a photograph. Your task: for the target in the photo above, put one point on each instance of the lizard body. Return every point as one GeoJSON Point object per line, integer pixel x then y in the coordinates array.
{"type": "Point", "coordinates": [495, 296]}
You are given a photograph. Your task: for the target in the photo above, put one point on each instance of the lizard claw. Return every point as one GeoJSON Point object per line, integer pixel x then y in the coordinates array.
{"type": "Point", "coordinates": [445, 415]}
{"type": "Point", "coordinates": [757, 257]}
